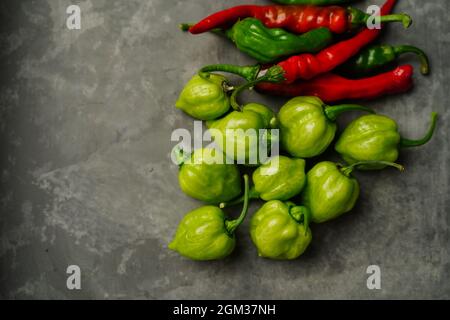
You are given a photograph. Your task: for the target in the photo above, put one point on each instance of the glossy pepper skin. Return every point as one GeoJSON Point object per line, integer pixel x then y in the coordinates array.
{"type": "Point", "coordinates": [375, 57]}
{"type": "Point", "coordinates": [307, 125]}
{"type": "Point", "coordinates": [332, 88]}
{"type": "Point", "coordinates": [376, 138]}
{"type": "Point", "coordinates": [268, 45]}
{"type": "Point", "coordinates": [329, 192]}
{"type": "Point", "coordinates": [204, 98]}
{"type": "Point", "coordinates": [253, 116]}
{"type": "Point", "coordinates": [280, 178]}
{"type": "Point", "coordinates": [281, 230]}
{"type": "Point", "coordinates": [206, 180]}
{"type": "Point", "coordinates": [296, 18]}
{"type": "Point", "coordinates": [207, 234]}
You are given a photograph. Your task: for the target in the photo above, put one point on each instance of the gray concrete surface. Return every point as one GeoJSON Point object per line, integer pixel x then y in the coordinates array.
{"type": "Point", "coordinates": [86, 118]}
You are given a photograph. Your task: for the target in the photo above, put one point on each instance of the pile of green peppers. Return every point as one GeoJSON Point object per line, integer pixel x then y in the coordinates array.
{"type": "Point", "coordinates": [280, 229]}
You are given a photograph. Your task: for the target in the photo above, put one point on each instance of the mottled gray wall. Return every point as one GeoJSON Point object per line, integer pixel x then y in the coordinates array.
{"type": "Point", "coordinates": [85, 124]}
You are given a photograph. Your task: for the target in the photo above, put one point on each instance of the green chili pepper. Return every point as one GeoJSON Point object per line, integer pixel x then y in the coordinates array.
{"type": "Point", "coordinates": [332, 191]}
{"type": "Point", "coordinates": [205, 98]}
{"type": "Point", "coordinates": [280, 178]}
{"type": "Point", "coordinates": [314, 2]}
{"type": "Point", "coordinates": [307, 125]}
{"type": "Point", "coordinates": [207, 177]}
{"type": "Point", "coordinates": [268, 45]}
{"type": "Point", "coordinates": [207, 234]}
{"type": "Point", "coordinates": [281, 230]}
{"type": "Point", "coordinates": [375, 57]}
{"type": "Point", "coordinates": [376, 138]}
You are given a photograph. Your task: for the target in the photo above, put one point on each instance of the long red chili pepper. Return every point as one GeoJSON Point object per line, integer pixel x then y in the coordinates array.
{"type": "Point", "coordinates": [298, 18]}
{"type": "Point", "coordinates": [331, 88]}
{"type": "Point", "coordinates": [308, 66]}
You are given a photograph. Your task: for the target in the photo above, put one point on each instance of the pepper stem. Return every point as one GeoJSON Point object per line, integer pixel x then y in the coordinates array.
{"type": "Point", "coordinates": [273, 74]}
{"type": "Point", "coordinates": [185, 26]}
{"type": "Point", "coordinates": [301, 215]}
{"type": "Point", "coordinates": [332, 112]}
{"type": "Point", "coordinates": [406, 143]}
{"type": "Point", "coordinates": [253, 194]}
{"type": "Point", "coordinates": [233, 224]}
{"type": "Point", "coordinates": [249, 73]}
{"type": "Point", "coordinates": [179, 155]}
{"type": "Point", "coordinates": [358, 17]}
{"type": "Point", "coordinates": [424, 62]}
{"type": "Point", "coordinates": [349, 169]}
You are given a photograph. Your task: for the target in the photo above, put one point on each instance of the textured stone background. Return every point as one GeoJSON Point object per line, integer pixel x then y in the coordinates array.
{"type": "Point", "coordinates": [85, 124]}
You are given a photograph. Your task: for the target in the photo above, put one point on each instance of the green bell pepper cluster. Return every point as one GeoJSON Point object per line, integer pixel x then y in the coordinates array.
{"type": "Point", "coordinates": [280, 229]}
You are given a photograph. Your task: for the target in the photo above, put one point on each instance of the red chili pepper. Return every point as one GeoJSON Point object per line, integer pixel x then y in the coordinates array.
{"type": "Point", "coordinates": [298, 18]}
{"type": "Point", "coordinates": [308, 66]}
{"type": "Point", "coordinates": [331, 88]}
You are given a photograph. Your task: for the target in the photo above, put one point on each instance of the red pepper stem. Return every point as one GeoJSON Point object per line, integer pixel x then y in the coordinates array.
{"type": "Point", "coordinates": [358, 17]}
{"type": "Point", "coordinates": [333, 112]}
{"type": "Point", "coordinates": [406, 143]}
{"type": "Point", "coordinates": [249, 73]}
{"type": "Point", "coordinates": [347, 171]}
{"type": "Point", "coordinates": [253, 195]}
{"type": "Point", "coordinates": [231, 225]}
{"type": "Point", "coordinates": [273, 74]}
{"type": "Point", "coordinates": [424, 62]}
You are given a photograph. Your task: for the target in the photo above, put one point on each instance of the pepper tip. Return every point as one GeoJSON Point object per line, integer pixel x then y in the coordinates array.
{"type": "Point", "coordinates": [407, 21]}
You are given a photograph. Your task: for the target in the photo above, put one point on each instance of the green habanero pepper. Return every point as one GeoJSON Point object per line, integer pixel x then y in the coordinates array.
{"type": "Point", "coordinates": [205, 176]}
{"type": "Point", "coordinates": [280, 178]}
{"type": "Point", "coordinates": [281, 230]}
{"type": "Point", "coordinates": [375, 57]}
{"type": "Point", "coordinates": [233, 131]}
{"type": "Point", "coordinates": [239, 132]}
{"type": "Point", "coordinates": [331, 190]}
{"type": "Point", "coordinates": [206, 233]}
{"type": "Point", "coordinates": [204, 97]}
{"type": "Point", "coordinates": [376, 138]}
{"type": "Point", "coordinates": [268, 45]}
{"type": "Point", "coordinates": [307, 125]}
{"type": "Point", "coordinates": [314, 2]}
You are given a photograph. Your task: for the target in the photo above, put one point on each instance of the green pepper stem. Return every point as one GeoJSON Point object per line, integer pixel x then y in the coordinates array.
{"type": "Point", "coordinates": [273, 74]}
{"type": "Point", "coordinates": [233, 224]}
{"type": "Point", "coordinates": [180, 156]}
{"type": "Point", "coordinates": [301, 215]}
{"type": "Point", "coordinates": [253, 194]}
{"type": "Point", "coordinates": [333, 112]}
{"type": "Point", "coordinates": [406, 143]}
{"type": "Point", "coordinates": [358, 17]}
{"type": "Point", "coordinates": [424, 62]}
{"type": "Point", "coordinates": [349, 169]}
{"type": "Point", "coordinates": [185, 26]}
{"type": "Point", "coordinates": [249, 73]}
